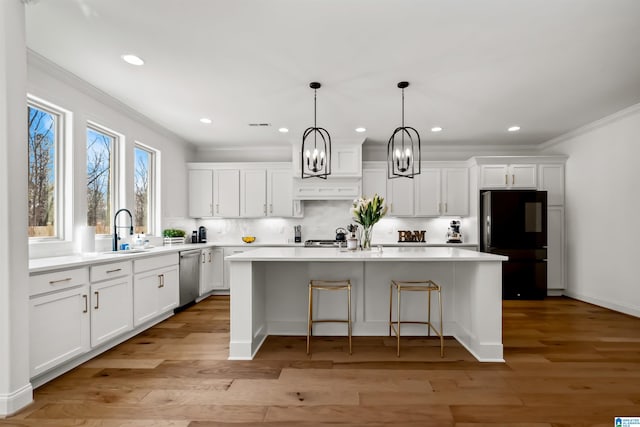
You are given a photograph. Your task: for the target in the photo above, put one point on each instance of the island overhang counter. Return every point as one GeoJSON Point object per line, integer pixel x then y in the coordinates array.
{"type": "Point", "coordinates": [269, 294]}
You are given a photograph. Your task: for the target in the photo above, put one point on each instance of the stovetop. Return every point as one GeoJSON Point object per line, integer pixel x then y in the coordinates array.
{"type": "Point", "coordinates": [325, 243]}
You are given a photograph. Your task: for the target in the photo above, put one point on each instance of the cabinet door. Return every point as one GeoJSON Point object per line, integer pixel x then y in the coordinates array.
{"type": "Point", "coordinates": [226, 196]}
{"type": "Point", "coordinates": [400, 193]}
{"type": "Point", "coordinates": [374, 181]}
{"type": "Point", "coordinates": [494, 176]}
{"type": "Point", "coordinates": [111, 309]}
{"type": "Point", "coordinates": [253, 190]}
{"type": "Point", "coordinates": [427, 193]}
{"type": "Point", "coordinates": [346, 160]}
{"type": "Point", "coordinates": [280, 192]}
{"type": "Point", "coordinates": [59, 328]}
{"type": "Point", "coordinates": [145, 296]}
{"type": "Point", "coordinates": [205, 271]}
{"type": "Point", "coordinates": [455, 191]}
{"type": "Point", "coordinates": [217, 269]}
{"type": "Point", "coordinates": [555, 248]}
{"type": "Point", "coordinates": [551, 180]}
{"type": "Point", "coordinates": [169, 289]}
{"type": "Point", "coordinates": [200, 193]}
{"type": "Point", "coordinates": [523, 176]}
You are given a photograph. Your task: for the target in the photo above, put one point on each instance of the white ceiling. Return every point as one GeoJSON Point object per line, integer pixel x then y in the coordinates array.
{"type": "Point", "coordinates": [475, 66]}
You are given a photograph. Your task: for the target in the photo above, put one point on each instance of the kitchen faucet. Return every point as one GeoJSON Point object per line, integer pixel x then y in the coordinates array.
{"type": "Point", "coordinates": [115, 227]}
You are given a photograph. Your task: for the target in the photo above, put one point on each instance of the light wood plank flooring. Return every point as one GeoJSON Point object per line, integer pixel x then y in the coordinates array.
{"type": "Point", "coordinates": [567, 364]}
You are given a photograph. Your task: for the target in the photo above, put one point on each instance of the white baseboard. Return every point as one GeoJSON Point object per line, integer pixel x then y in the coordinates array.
{"type": "Point", "coordinates": [14, 402]}
{"type": "Point", "coordinates": [632, 311]}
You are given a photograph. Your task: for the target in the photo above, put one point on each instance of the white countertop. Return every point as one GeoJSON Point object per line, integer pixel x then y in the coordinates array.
{"type": "Point", "coordinates": [388, 254]}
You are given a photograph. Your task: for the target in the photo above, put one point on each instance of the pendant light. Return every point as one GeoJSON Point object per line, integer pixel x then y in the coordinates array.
{"type": "Point", "coordinates": [403, 149]}
{"type": "Point", "coordinates": [316, 146]}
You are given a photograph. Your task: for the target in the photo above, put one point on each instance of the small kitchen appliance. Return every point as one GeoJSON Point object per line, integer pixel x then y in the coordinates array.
{"type": "Point", "coordinates": [454, 235]}
{"type": "Point", "coordinates": [202, 234]}
{"type": "Point", "coordinates": [341, 234]}
{"type": "Point", "coordinates": [297, 233]}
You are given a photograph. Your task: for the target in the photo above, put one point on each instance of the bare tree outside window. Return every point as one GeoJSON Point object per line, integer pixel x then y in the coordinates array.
{"type": "Point", "coordinates": [99, 180]}
{"type": "Point", "coordinates": [42, 127]}
{"type": "Point", "coordinates": [143, 164]}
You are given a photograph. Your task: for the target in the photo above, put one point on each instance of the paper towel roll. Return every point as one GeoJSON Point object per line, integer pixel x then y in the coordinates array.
{"type": "Point", "coordinates": [86, 239]}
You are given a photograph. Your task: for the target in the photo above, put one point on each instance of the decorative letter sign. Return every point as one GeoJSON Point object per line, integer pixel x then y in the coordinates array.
{"type": "Point", "coordinates": [411, 236]}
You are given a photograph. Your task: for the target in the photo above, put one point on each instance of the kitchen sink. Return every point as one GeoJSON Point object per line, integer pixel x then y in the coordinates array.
{"type": "Point", "coordinates": [126, 252]}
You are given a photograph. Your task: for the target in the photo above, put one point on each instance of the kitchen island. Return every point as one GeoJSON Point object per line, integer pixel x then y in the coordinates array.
{"type": "Point", "coordinates": [269, 294]}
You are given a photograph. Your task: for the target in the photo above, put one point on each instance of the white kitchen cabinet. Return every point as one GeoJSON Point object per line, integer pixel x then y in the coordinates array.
{"type": "Point", "coordinates": [226, 194]}
{"type": "Point", "coordinates": [374, 181]}
{"type": "Point", "coordinates": [211, 270]}
{"type": "Point", "coordinates": [555, 248]}
{"type": "Point", "coordinates": [346, 160]}
{"type": "Point", "coordinates": [253, 193]}
{"type": "Point", "coordinates": [454, 191]}
{"type": "Point", "coordinates": [508, 176]}
{"type": "Point", "coordinates": [401, 196]}
{"type": "Point", "coordinates": [155, 287]}
{"type": "Point", "coordinates": [111, 309]}
{"type": "Point", "coordinates": [427, 192]}
{"type": "Point", "coordinates": [551, 180]}
{"type": "Point", "coordinates": [267, 192]}
{"type": "Point", "coordinates": [59, 328]}
{"type": "Point", "coordinates": [200, 193]}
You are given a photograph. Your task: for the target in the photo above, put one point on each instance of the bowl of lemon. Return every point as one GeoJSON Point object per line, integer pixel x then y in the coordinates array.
{"type": "Point", "coordinates": [248, 239]}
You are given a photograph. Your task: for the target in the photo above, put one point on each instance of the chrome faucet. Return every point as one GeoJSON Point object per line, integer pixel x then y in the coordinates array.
{"type": "Point", "coordinates": [115, 227]}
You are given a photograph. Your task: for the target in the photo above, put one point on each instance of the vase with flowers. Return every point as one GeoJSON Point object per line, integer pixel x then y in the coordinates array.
{"type": "Point", "coordinates": [366, 212]}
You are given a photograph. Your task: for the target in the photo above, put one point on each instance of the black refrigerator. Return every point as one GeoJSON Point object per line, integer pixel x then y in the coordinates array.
{"type": "Point", "coordinates": [514, 223]}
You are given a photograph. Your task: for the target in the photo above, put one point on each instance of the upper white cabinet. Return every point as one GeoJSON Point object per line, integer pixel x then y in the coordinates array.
{"type": "Point", "coordinates": [551, 180]}
{"type": "Point", "coordinates": [374, 181]}
{"type": "Point", "coordinates": [508, 176]}
{"type": "Point", "coordinates": [226, 193]}
{"type": "Point", "coordinates": [435, 192]}
{"type": "Point", "coordinates": [267, 192]}
{"type": "Point", "coordinates": [200, 193]}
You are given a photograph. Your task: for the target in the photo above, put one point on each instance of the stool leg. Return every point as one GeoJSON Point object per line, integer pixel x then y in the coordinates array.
{"type": "Point", "coordinates": [390, 305]}
{"type": "Point", "coordinates": [349, 315]}
{"type": "Point", "coordinates": [429, 314]}
{"type": "Point", "coordinates": [398, 322]}
{"type": "Point", "coordinates": [441, 336]}
{"type": "Point", "coordinates": [309, 321]}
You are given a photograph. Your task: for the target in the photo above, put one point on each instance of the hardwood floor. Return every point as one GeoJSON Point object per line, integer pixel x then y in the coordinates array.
{"type": "Point", "coordinates": [567, 364]}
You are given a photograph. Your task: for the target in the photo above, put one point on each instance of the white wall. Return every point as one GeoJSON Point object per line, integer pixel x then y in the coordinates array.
{"type": "Point", "coordinates": [86, 103]}
{"type": "Point", "coordinates": [602, 207]}
{"type": "Point", "coordinates": [15, 389]}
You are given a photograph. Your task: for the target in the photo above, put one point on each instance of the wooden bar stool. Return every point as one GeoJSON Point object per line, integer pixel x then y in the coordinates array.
{"type": "Point", "coordinates": [418, 286]}
{"type": "Point", "coordinates": [328, 285]}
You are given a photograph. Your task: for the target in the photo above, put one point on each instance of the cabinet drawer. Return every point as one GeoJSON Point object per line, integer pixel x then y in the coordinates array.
{"type": "Point", "coordinates": [57, 280]}
{"type": "Point", "coordinates": [150, 263]}
{"type": "Point", "coordinates": [109, 271]}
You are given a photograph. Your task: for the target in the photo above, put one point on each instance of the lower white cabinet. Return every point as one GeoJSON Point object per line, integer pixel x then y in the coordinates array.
{"type": "Point", "coordinates": [111, 309]}
{"type": "Point", "coordinates": [59, 328]}
{"type": "Point", "coordinates": [154, 293]}
{"type": "Point", "coordinates": [211, 270]}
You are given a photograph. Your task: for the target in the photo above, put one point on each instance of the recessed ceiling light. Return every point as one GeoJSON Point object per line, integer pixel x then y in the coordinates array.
{"type": "Point", "coordinates": [514, 129]}
{"type": "Point", "coordinates": [132, 59]}
{"type": "Point", "coordinates": [205, 120]}
{"type": "Point", "coordinates": [283, 130]}
{"type": "Point", "coordinates": [436, 129]}
{"type": "Point", "coordinates": [360, 130]}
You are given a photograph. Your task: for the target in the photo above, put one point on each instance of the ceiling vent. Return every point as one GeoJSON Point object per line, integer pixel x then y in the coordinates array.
{"type": "Point", "coordinates": [260, 125]}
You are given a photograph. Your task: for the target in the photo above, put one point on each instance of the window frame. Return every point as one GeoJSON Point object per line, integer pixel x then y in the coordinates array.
{"type": "Point", "coordinates": [115, 166]}
{"type": "Point", "coordinates": [152, 209]}
{"type": "Point", "coordinates": [62, 182]}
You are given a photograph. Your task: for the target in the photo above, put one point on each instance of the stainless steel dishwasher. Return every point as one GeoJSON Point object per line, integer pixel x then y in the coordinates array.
{"type": "Point", "coordinates": [189, 277]}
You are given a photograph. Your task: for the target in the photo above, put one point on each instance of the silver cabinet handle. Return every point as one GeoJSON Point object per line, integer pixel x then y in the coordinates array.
{"type": "Point", "coordinates": [445, 207]}
{"type": "Point", "coordinates": [209, 256]}
{"type": "Point", "coordinates": [211, 208]}
{"type": "Point", "coordinates": [513, 179]}
{"type": "Point", "coordinates": [265, 208]}
{"type": "Point", "coordinates": [204, 258]}
{"type": "Point", "coordinates": [114, 271]}
{"type": "Point", "coordinates": [53, 282]}
{"type": "Point", "coordinates": [86, 303]}
{"type": "Point", "coordinates": [97, 294]}
{"type": "Point", "coordinates": [217, 208]}
{"type": "Point", "coordinates": [161, 277]}
{"type": "Point", "coordinates": [506, 179]}
{"type": "Point", "coordinates": [439, 207]}
{"type": "Point", "coordinates": [271, 208]}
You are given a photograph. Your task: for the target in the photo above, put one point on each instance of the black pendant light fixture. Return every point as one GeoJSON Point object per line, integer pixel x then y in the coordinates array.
{"type": "Point", "coordinates": [403, 150]}
{"type": "Point", "coordinates": [316, 146]}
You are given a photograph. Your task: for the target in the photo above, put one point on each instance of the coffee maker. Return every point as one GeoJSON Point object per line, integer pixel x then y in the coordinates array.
{"type": "Point", "coordinates": [453, 234]}
{"type": "Point", "coordinates": [202, 234]}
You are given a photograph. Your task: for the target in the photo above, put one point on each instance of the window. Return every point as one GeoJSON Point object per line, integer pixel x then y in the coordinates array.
{"type": "Point", "coordinates": [101, 158]}
{"type": "Point", "coordinates": [144, 180]}
{"type": "Point", "coordinates": [45, 125]}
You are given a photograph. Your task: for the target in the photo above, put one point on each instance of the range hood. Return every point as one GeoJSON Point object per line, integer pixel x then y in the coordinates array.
{"type": "Point", "coordinates": [329, 189]}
